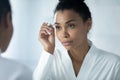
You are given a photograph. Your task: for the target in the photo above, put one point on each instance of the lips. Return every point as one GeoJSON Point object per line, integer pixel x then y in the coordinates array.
{"type": "Point", "coordinates": [67, 43]}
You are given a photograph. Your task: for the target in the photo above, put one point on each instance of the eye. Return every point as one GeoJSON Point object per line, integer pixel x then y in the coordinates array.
{"type": "Point", "coordinates": [57, 27]}
{"type": "Point", "coordinates": [71, 25]}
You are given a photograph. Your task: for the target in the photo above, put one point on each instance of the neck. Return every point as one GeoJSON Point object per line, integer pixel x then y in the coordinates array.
{"type": "Point", "coordinates": [78, 54]}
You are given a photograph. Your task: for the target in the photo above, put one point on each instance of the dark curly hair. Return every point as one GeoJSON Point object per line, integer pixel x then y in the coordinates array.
{"type": "Point", "coordinates": [78, 6]}
{"type": "Point", "coordinates": [4, 8]}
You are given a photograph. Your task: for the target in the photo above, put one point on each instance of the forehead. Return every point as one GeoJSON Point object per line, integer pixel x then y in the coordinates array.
{"type": "Point", "coordinates": [66, 15]}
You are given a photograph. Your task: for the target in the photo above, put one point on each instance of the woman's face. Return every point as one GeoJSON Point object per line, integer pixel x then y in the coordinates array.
{"type": "Point", "coordinates": [71, 30]}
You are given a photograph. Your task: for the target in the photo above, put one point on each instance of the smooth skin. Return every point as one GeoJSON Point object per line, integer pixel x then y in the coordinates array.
{"type": "Point", "coordinates": [71, 30]}
{"type": "Point", "coordinates": [6, 31]}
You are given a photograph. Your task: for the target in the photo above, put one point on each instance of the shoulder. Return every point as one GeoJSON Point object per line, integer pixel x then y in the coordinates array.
{"type": "Point", "coordinates": [12, 63]}
{"type": "Point", "coordinates": [107, 56]}
{"type": "Point", "coordinates": [12, 67]}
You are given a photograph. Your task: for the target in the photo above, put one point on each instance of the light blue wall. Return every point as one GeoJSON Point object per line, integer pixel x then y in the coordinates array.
{"type": "Point", "coordinates": [29, 14]}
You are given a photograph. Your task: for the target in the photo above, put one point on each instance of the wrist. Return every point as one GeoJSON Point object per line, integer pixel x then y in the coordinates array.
{"type": "Point", "coordinates": [49, 50]}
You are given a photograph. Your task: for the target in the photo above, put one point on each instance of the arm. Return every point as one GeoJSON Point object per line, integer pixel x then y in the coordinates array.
{"type": "Point", "coordinates": [47, 38]}
{"type": "Point", "coordinates": [42, 72]}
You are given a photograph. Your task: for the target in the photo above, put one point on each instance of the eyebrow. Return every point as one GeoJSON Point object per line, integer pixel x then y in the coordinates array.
{"type": "Point", "coordinates": [65, 22]}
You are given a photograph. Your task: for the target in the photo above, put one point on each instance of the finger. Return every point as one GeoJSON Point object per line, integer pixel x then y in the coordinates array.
{"type": "Point", "coordinates": [44, 24]}
{"type": "Point", "coordinates": [51, 29]}
{"type": "Point", "coordinates": [43, 32]}
{"type": "Point", "coordinates": [50, 26]}
{"type": "Point", "coordinates": [47, 27]}
{"type": "Point", "coordinates": [48, 31]}
{"type": "Point", "coordinates": [44, 28]}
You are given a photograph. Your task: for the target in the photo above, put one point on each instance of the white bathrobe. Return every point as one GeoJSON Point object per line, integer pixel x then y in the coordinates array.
{"type": "Point", "coordinates": [11, 70]}
{"type": "Point", "coordinates": [97, 65]}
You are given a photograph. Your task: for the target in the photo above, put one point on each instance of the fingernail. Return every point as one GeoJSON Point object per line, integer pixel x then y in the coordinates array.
{"type": "Point", "coordinates": [49, 24]}
{"type": "Point", "coordinates": [48, 32]}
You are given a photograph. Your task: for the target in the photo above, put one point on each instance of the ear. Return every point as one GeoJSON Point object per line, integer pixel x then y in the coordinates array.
{"type": "Point", "coordinates": [88, 24]}
{"type": "Point", "coordinates": [8, 20]}
{"type": "Point", "coordinates": [6, 31]}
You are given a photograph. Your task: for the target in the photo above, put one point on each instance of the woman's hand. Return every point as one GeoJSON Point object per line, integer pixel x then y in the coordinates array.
{"type": "Point", "coordinates": [47, 37]}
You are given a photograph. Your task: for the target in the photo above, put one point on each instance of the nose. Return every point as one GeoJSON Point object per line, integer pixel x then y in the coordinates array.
{"type": "Point", "coordinates": [64, 33]}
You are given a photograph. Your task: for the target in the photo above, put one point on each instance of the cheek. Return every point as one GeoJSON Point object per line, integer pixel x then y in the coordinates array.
{"type": "Point", "coordinates": [73, 35]}
{"type": "Point", "coordinates": [78, 35]}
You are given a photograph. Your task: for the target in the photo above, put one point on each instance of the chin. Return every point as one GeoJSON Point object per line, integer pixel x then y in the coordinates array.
{"type": "Point", "coordinates": [67, 47]}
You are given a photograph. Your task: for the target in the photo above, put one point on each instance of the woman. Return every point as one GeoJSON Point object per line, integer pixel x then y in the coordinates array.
{"type": "Point", "coordinates": [9, 69]}
{"type": "Point", "coordinates": [81, 60]}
